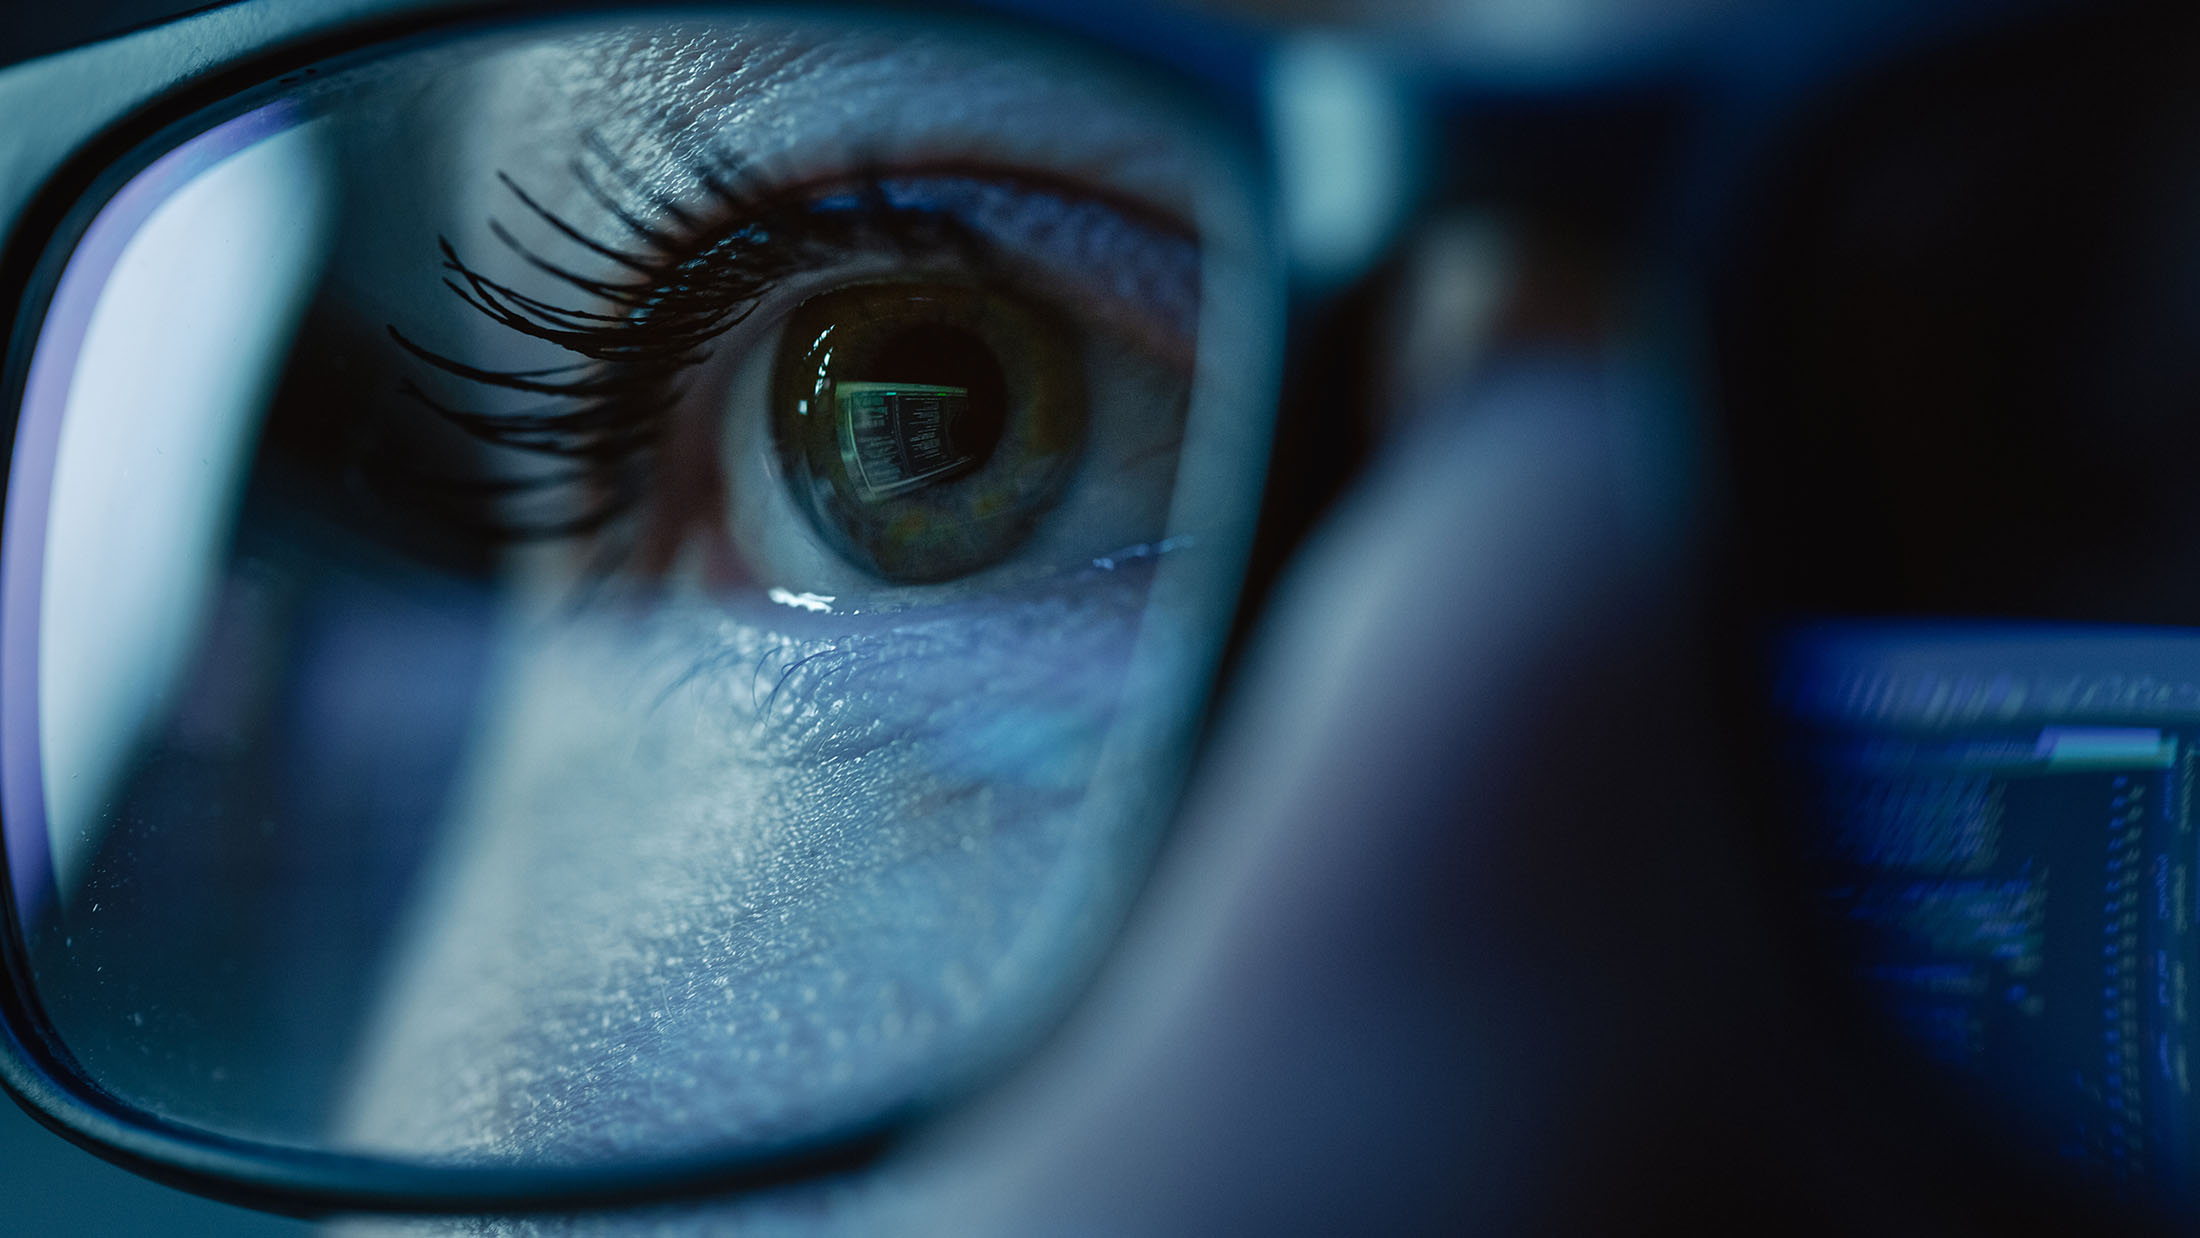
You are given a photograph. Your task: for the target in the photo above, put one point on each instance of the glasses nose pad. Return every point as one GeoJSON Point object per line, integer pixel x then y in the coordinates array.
{"type": "Point", "coordinates": [1445, 305]}
{"type": "Point", "coordinates": [1479, 301]}
{"type": "Point", "coordinates": [1346, 147]}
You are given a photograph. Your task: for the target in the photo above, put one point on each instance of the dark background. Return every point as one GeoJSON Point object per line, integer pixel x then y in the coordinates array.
{"type": "Point", "coordinates": [32, 28]}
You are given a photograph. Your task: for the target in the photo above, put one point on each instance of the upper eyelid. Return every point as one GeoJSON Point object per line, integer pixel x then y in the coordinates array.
{"type": "Point", "coordinates": [1032, 226]}
{"type": "Point", "coordinates": [1152, 268]}
{"type": "Point", "coordinates": [1004, 209]}
{"type": "Point", "coordinates": [1114, 264]}
{"type": "Point", "coordinates": [1143, 211]}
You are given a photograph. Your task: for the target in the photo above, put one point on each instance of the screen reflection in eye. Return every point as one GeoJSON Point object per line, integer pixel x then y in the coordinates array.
{"type": "Point", "coordinates": [843, 389]}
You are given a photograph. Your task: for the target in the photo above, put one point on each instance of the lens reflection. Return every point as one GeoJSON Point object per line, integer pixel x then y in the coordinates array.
{"type": "Point", "coordinates": [454, 734]}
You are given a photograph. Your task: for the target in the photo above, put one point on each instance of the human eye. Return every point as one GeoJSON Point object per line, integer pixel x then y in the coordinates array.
{"type": "Point", "coordinates": [885, 380]}
{"type": "Point", "coordinates": [714, 598]}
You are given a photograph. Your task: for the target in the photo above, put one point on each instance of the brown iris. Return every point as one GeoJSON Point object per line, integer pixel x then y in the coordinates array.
{"type": "Point", "coordinates": [926, 428]}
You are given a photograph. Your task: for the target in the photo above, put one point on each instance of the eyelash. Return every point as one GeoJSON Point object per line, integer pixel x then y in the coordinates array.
{"type": "Point", "coordinates": [694, 276]}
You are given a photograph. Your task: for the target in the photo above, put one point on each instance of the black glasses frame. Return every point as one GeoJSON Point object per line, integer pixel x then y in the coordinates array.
{"type": "Point", "coordinates": [97, 136]}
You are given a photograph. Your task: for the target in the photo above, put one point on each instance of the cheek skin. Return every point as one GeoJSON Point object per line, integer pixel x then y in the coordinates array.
{"type": "Point", "coordinates": [717, 880]}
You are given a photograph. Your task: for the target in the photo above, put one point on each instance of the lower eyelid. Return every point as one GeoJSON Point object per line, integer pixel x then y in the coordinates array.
{"type": "Point", "coordinates": [992, 688]}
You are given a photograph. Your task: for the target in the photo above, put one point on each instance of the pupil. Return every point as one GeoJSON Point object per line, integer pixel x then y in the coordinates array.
{"type": "Point", "coordinates": [943, 356]}
{"type": "Point", "coordinates": [926, 429]}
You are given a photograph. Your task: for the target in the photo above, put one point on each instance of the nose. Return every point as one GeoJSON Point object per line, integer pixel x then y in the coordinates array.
{"type": "Point", "coordinates": [1453, 937]}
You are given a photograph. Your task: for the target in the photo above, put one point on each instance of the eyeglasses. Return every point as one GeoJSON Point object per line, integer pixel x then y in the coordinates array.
{"type": "Point", "coordinates": [611, 604]}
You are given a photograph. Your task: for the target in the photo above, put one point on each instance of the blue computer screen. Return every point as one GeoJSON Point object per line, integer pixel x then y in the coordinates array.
{"type": "Point", "coordinates": [2002, 829]}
